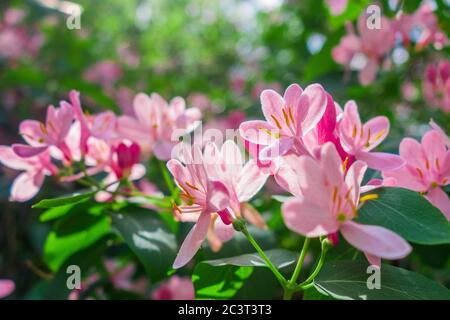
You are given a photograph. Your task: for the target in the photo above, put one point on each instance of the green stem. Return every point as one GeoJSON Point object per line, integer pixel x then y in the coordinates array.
{"type": "Point", "coordinates": [308, 282]}
{"type": "Point", "coordinates": [289, 291]}
{"type": "Point", "coordinates": [269, 263]}
{"type": "Point", "coordinates": [168, 180]}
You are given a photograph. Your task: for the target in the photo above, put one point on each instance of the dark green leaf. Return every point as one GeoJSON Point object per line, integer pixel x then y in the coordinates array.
{"type": "Point", "coordinates": [149, 239]}
{"type": "Point", "coordinates": [407, 213]}
{"type": "Point", "coordinates": [348, 280]}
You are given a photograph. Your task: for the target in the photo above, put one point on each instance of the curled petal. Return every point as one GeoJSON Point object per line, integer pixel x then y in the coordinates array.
{"type": "Point", "coordinates": [381, 161]}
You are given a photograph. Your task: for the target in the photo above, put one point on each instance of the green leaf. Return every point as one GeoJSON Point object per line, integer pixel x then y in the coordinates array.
{"type": "Point", "coordinates": [407, 213]}
{"type": "Point", "coordinates": [149, 239]}
{"type": "Point", "coordinates": [313, 294]}
{"type": "Point", "coordinates": [223, 282]}
{"type": "Point", "coordinates": [280, 258]}
{"type": "Point", "coordinates": [348, 280]}
{"type": "Point", "coordinates": [73, 233]}
{"type": "Point", "coordinates": [63, 201]}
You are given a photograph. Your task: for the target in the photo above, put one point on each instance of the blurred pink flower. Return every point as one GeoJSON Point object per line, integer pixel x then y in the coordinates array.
{"type": "Point", "coordinates": [327, 202]}
{"type": "Point", "coordinates": [427, 168]}
{"type": "Point", "coordinates": [158, 124]}
{"type": "Point", "coordinates": [436, 85]}
{"type": "Point", "coordinates": [6, 287]}
{"type": "Point", "coordinates": [200, 101]}
{"type": "Point", "coordinates": [337, 6]}
{"type": "Point", "coordinates": [176, 288]}
{"type": "Point", "coordinates": [259, 87]}
{"type": "Point", "coordinates": [421, 28]}
{"type": "Point", "coordinates": [105, 73]}
{"type": "Point", "coordinates": [40, 136]}
{"type": "Point", "coordinates": [28, 183]}
{"type": "Point", "coordinates": [366, 51]}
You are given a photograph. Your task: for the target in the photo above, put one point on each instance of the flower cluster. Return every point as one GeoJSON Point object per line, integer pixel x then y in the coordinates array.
{"type": "Point", "coordinates": [370, 48]}
{"type": "Point", "coordinates": [436, 85]}
{"type": "Point", "coordinates": [73, 145]}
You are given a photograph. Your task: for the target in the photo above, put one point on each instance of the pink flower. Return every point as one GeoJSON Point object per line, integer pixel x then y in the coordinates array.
{"type": "Point", "coordinates": [121, 277]}
{"type": "Point", "coordinates": [202, 197]}
{"type": "Point", "coordinates": [6, 287]}
{"type": "Point", "coordinates": [427, 168]}
{"type": "Point", "coordinates": [176, 288]}
{"type": "Point", "coordinates": [421, 27]}
{"type": "Point", "coordinates": [158, 125]}
{"type": "Point", "coordinates": [27, 184]}
{"type": "Point", "coordinates": [105, 73]}
{"type": "Point", "coordinates": [288, 120]}
{"type": "Point", "coordinates": [359, 139]}
{"type": "Point", "coordinates": [124, 158]}
{"type": "Point", "coordinates": [337, 6]}
{"type": "Point", "coordinates": [327, 202]}
{"type": "Point", "coordinates": [365, 52]}
{"type": "Point", "coordinates": [436, 85]}
{"type": "Point", "coordinates": [40, 136]}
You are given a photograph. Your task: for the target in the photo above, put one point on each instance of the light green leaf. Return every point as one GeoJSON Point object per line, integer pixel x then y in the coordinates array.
{"type": "Point", "coordinates": [63, 201]}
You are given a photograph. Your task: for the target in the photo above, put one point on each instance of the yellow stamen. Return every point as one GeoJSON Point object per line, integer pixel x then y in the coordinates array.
{"type": "Point", "coordinates": [368, 197]}
{"type": "Point", "coordinates": [191, 186]}
{"type": "Point", "coordinates": [290, 115]}
{"type": "Point", "coordinates": [379, 135]}
{"type": "Point", "coordinates": [267, 131]}
{"type": "Point", "coordinates": [434, 184]}
{"type": "Point", "coordinates": [427, 164]}
{"type": "Point", "coordinates": [43, 128]}
{"type": "Point", "coordinates": [334, 194]}
{"type": "Point", "coordinates": [286, 118]}
{"type": "Point", "coordinates": [276, 121]}
{"type": "Point", "coordinates": [420, 172]}
{"type": "Point", "coordinates": [355, 130]}
{"type": "Point", "coordinates": [344, 164]}
{"type": "Point", "coordinates": [368, 138]}
{"type": "Point", "coordinates": [437, 164]}
{"type": "Point", "coordinates": [341, 217]}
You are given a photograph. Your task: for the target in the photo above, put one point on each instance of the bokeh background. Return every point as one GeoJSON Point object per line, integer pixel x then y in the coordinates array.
{"type": "Point", "coordinates": [218, 55]}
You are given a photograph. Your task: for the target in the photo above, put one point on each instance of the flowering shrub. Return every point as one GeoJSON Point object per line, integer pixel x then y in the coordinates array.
{"type": "Point", "coordinates": [169, 199]}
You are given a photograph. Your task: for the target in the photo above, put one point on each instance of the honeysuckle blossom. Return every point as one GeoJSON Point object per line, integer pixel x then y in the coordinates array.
{"type": "Point", "coordinates": [359, 139]}
{"type": "Point", "coordinates": [436, 85]}
{"type": "Point", "coordinates": [421, 28]}
{"type": "Point", "coordinates": [288, 120]}
{"type": "Point", "coordinates": [337, 6]}
{"type": "Point", "coordinates": [6, 287]}
{"type": "Point", "coordinates": [202, 197]}
{"type": "Point", "coordinates": [53, 132]}
{"type": "Point", "coordinates": [176, 288]}
{"type": "Point", "coordinates": [327, 201]}
{"type": "Point", "coordinates": [34, 169]}
{"type": "Point", "coordinates": [105, 73]}
{"type": "Point", "coordinates": [427, 168]}
{"type": "Point", "coordinates": [158, 124]}
{"type": "Point", "coordinates": [366, 51]}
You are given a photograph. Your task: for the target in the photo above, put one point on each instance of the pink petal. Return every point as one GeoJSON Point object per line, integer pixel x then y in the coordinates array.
{"type": "Point", "coordinates": [288, 174]}
{"type": "Point", "coordinates": [379, 129]}
{"type": "Point", "coordinates": [411, 150]}
{"type": "Point", "coordinates": [373, 260]}
{"type": "Point", "coordinates": [434, 147]}
{"type": "Point", "coordinates": [292, 96]}
{"type": "Point", "coordinates": [380, 160]}
{"type": "Point", "coordinates": [406, 177]}
{"type": "Point", "coordinates": [163, 150]}
{"type": "Point", "coordinates": [6, 287]}
{"type": "Point", "coordinates": [146, 110]}
{"type": "Point", "coordinates": [306, 218]}
{"type": "Point", "coordinates": [193, 241]}
{"type": "Point", "coordinates": [258, 132]}
{"type": "Point", "coordinates": [11, 160]}
{"type": "Point", "coordinates": [26, 151]}
{"type": "Point", "coordinates": [272, 106]}
{"type": "Point", "coordinates": [350, 121]}
{"type": "Point", "coordinates": [223, 231]}
{"type": "Point", "coordinates": [375, 240]}
{"type": "Point", "coordinates": [354, 177]}
{"type": "Point", "coordinates": [250, 180]}
{"type": "Point", "coordinates": [218, 196]}
{"type": "Point", "coordinates": [327, 125]}
{"type": "Point", "coordinates": [440, 200]}
{"type": "Point", "coordinates": [368, 74]}
{"type": "Point", "coordinates": [278, 148]}
{"type": "Point", "coordinates": [311, 181]}
{"type": "Point", "coordinates": [26, 186]}
{"type": "Point", "coordinates": [31, 132]}
{"type": "Point", "coordinates": [331, 164]}
{"type": "Point", "coordinates": [312, 106]}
